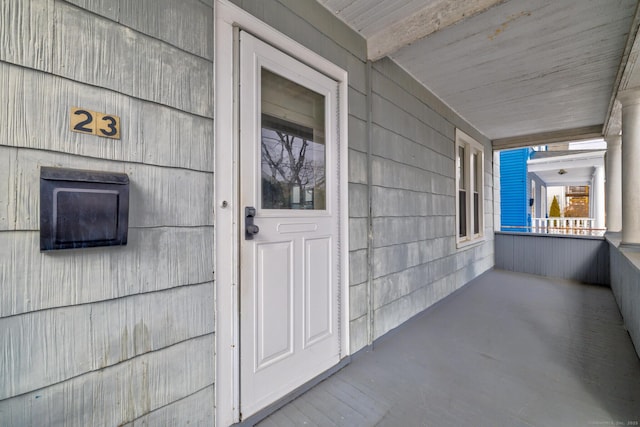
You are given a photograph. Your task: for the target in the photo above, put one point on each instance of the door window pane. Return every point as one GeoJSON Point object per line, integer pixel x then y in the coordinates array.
{"type": "Point", "coordinates": [293, 145]}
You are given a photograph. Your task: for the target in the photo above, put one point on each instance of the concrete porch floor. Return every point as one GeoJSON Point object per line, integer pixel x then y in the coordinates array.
{"type": "Point", "coordinates": [509, 349]}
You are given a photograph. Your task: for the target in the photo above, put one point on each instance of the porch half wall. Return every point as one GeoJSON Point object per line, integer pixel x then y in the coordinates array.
{"type": "Point", "coordinates": [625, 284]}
{"type": "Point", "coordinates": [581, 258]}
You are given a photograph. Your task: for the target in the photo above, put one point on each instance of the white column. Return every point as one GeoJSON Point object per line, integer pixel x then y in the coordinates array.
{"type": "Point", "coordinates": [613, 172]}
{"type": "Point", "coordinates": [598, 201]}
{"type": "Point", "coordinates": [538, 199]}
{"type": "Point", "coordinates": [630, 100]}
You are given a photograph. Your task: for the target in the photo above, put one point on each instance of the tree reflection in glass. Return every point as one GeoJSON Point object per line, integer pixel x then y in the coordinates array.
{"type": "Point", "coordinates": [293, 146]}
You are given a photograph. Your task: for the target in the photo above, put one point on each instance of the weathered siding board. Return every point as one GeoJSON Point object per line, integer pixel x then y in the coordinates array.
{"type": "Point", "coordinates": [359, 333]}
{"type": "Point", "coordinates": [159, 196]}
{"type": "Point", "coordinates": [389, 288]}
{"type": "Point", "coordinates": [357, 167]}
{"type": "Point", "coordinates": [411, 105]}
{"type": "Point", "coordinates": [112, 56]}
{"type": "Point", "coordinates": [196, 410]}
{"type": "Point", "coordinates": [8, 164]}
{"type": "Point", "coordinates": [391, 174]}
{"type": "Point", "coordinates": [357, 104]}
{"type": "Point", "coordinates": [358, 201]}
{"type": "Point", "coordinates": [389, 116]}
{"type": "Point", "coordinates": [582, 259]}
{"type": "Point", "coordinates": [397, 202]}
{"type": "Point", "coordinates": [396, 147]}
{"type": "Point", "coordinates": [328, 24]}
{"type": "Point", "coordinates": [154, 259]}
{"type": "Point", "coordinates": [188, 27]}
{"type": "Point", "coordinates": [358, 233]}
{"type": "Point", "coordinates": [150, 133]}
{"type": "Point", "coordinates": [100, 334]}
{"type": "Point", "coordinates": [434, 289]}
{"type": "Point", "coordinates": [358, 266]}
{"type": "Point", "coordinates": [27, 29]}
{"type": "Point", "coordinates": [311, 25]}
{"type": "Point", "coordinates": [120, 393]}
{"type": "Point", "coordinates": [357, 134]}
{"type": "Point", "coordinates": [358, 301]}
{"type": "Point", "coordinates": [406, 83]}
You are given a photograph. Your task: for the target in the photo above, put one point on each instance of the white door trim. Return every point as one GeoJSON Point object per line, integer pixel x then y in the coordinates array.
{"type": "Point", "coordinates": [227, 210]}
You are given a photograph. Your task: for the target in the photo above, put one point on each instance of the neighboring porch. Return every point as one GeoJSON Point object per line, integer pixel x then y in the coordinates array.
{"type": "Point", "coordinates": [508, 349]}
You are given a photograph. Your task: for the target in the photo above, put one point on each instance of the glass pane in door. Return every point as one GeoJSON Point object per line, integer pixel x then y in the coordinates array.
{"type": "Point", "coordinates": [293, 167]}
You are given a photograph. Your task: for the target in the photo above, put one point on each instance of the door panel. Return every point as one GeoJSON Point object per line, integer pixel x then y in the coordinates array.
{"type": "Point", "coordinates": [318, 290]}
{"type": "Point", "coordinates": [274, 303]}
{"type": "Point", "coordinates": [289, 287]}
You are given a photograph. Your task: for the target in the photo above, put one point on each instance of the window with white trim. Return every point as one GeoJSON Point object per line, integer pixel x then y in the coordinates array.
{"type": "Point", "coordinates": [469, 189]}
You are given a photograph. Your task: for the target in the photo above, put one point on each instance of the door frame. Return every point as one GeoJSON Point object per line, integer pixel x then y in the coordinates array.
{"type": "Point", "coordinates": [228, 18]}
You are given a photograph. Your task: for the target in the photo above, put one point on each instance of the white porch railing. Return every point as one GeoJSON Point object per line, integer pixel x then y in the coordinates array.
{"type": "Point", "coordinates": [584, 226]}
{"type": "Point", "coordinates": [561, 225]}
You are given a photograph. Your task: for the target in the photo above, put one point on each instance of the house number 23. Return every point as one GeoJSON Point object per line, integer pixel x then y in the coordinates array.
{"type": "Point", "coordinates": [94, 123]}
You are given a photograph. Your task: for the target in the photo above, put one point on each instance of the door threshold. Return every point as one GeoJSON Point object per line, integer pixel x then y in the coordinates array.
{"type": "Point", "coordinates": [289, 397]}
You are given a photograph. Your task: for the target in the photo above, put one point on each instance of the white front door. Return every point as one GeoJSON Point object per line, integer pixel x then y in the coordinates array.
{"type": "Point", "coordinates": [290, 258]}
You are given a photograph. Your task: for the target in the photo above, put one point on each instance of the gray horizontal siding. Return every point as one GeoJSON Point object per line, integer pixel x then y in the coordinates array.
{"type": "Point", "coordinates": [188, 411]}
{"type": "Point", "coordinates": [415, 261]}
{"type": "Point", "coordinates": [67, 41]}
{"type": "Point", "coordinates": [109, 336]}
{"type": "Point", "coordinates": [146, 322]}
{"type": "Point", "coordinates": [582, 259]}
{"type": "Point", "coordinates": [181, 27]}
{"type": "Point", "coordinates": [120, 393]}
{"type": "Point", "coordinates": [159, 196]}
{"type": "Point", "coordinates": [150, 133]}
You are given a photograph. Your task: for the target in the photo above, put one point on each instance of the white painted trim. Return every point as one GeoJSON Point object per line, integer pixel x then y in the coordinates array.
{"type": "Point", "coordinates": [228, 16]}
{"type": "Point", "coordinates": [471, 145]}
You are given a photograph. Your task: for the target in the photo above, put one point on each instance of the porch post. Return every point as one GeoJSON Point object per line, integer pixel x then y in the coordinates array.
{"type": "Point", "coordinates": [599, 194]}
{"type": "Point", "coordinates": [630, 100]}
{"type": "Point", "coordinates": [538, 200]}
{"type": "Point", "coordinates": [614, 183]}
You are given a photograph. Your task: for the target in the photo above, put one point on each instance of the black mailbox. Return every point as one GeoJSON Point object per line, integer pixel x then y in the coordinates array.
{"type": "Point", "coordinates": [82, 209]}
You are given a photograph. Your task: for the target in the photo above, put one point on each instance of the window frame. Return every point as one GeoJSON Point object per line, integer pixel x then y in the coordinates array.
{"type": "Point", "coordinates": [472, 174]}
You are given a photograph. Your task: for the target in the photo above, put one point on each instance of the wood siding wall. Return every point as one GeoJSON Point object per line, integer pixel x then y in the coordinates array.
{"type": "Point", "coordinates": [415, 262]}
{"type": "Point", "coordinates": [625, 280]}
{"type": "Point", "coordinates": [583, 259]}
{"type": "Point", "coordinates": [108, 336]}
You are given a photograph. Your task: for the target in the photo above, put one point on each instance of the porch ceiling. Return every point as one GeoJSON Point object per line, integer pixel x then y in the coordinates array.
{"type": "Point", "coordinates": [521, 71]}
{"type": "Point", "coordinates": [566, 168]}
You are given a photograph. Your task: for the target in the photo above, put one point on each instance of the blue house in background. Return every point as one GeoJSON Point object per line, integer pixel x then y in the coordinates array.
{"type": "Point", "coordinates": [514, 189]}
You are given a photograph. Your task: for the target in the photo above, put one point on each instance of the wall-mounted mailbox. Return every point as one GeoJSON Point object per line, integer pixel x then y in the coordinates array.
{"type": "Point", "coordinates": [82, 209]}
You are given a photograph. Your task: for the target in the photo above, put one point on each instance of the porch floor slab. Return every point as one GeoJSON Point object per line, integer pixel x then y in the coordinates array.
{"type": "Point", "coordinates": [509, 349]}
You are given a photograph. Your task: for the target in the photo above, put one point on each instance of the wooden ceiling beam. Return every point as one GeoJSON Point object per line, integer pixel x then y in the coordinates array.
{"type": "Point", "coordinates": [438, 14]}
{"type": "Point", "coordinates": [546, 138]}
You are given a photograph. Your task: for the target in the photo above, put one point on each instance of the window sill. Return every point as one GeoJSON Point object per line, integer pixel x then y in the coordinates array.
{"type": "Point", "coordinates": [463, 244]}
